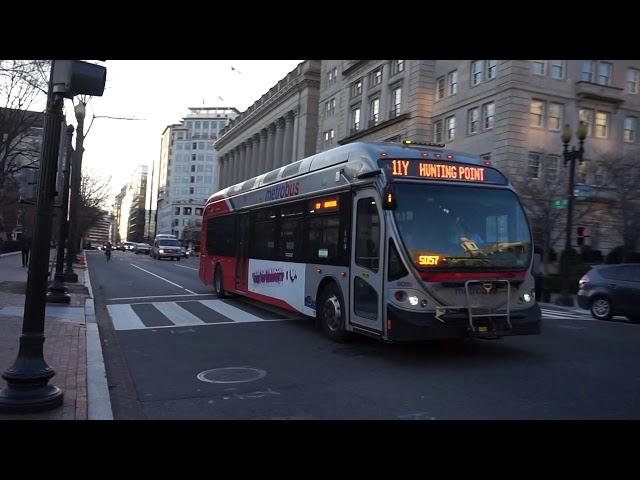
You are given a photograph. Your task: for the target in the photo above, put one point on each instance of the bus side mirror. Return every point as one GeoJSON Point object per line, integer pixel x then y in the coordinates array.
{"type": "Point", "coordinates": [389, 200]}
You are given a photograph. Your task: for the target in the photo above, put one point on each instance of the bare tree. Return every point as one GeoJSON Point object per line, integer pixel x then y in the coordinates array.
{"type": "Point", "coordinates": [548, 220]}
{"type": "Point", "coordinates": [94, 194]}
{"type": "Point", "coordinates": [622, 176]}
{"type": "Point", "coordinates": [22, 85]}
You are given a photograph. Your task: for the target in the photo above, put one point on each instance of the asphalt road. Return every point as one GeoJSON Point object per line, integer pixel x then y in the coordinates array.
{"type": "Point", "coordinates": [173, 351]}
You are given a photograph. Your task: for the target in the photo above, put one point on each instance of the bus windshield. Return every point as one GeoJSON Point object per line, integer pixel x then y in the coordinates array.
{"type": "Point", "coordinates": [462, 228]}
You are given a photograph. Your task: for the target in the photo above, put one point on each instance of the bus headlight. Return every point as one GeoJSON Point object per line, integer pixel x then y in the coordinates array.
{"type": "Point", "coordinates": [413, 300]}
{"type": "Point", "coordinates": [527, 297]}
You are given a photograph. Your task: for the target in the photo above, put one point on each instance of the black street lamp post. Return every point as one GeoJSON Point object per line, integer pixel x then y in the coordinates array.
{"type": "Point", "coordinates": [57, 291]}
{"type": "Point", "coordinates": [28, 388]}
{"type": "Point", "coordinates": [27, 379]}
{"type": "Point", "coordinates": [570, 156]}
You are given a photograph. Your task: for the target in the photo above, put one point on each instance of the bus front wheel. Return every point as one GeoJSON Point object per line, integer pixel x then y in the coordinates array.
{"type": "Point", "coordinates": [331, 313]}
{"type": "Point", "coordinates": [217, 282]}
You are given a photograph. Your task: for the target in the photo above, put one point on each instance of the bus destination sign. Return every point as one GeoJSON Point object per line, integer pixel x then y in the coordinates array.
{"type": "Point", "coordinates": [442, 171]}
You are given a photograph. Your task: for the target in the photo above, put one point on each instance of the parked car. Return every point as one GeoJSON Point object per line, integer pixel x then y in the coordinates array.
{"type": "Point", "coordinates": [142, 248]}
{"type": "Point", "coordinates": [184, 252]}
{"type": "Point", "coordinates": [164, 247]}
{"type": "Point", "coordinates": [609, 290]}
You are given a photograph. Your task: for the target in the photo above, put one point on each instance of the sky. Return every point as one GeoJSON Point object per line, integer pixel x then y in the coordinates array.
{"type": "Point", "coordinates": [159, 93]}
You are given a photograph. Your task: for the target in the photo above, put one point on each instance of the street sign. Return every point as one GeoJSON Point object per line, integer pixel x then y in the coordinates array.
{"type": "Point", "coordinates": [559, 202]}
{"type": "Point", "coordinates": [582, 191]}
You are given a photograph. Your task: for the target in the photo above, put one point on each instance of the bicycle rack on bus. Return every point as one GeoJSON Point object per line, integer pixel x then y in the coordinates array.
{"type": "Point", "coordinates": [487, 285]}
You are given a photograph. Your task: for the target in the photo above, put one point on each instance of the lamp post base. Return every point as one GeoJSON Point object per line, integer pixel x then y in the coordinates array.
{"type": "Point", "coordinates": [19, 399]}
{"type": "Point", "coordinates": [57, 291]}
{"type": "Point", "coordinates": [70, 276]}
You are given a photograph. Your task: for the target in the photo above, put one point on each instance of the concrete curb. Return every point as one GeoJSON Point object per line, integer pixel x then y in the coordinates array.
{"type": "Point", "coordinates": [10, 253]}
{"type": "Point", "coordinates": [98, 399]}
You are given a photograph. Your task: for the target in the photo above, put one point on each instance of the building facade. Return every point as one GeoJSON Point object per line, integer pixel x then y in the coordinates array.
{"type": "Point", "coordinates": [510, 112]}
{"type": "Point", "coordinates": [129, 209]}
{"type": "Point", "coordinates": [187, 169]}
{"type": "Point", "coordinates": [278, 129]}
{"type": "Point", "coordinates": [99, 233]}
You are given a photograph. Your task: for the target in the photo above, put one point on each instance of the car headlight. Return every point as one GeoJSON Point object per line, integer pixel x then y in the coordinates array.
{"type": "Point", "coordinates": [161, 251]}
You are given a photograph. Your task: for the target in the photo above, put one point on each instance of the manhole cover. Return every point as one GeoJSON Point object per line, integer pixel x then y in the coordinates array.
{"type": "Point", "coordinates": [231, 375]}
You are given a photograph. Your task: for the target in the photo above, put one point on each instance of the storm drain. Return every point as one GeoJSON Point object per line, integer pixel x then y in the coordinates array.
{"type": "Point", "coordinates": [231, 375]}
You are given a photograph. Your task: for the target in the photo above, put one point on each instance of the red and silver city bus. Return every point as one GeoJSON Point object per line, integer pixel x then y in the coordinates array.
{"type": "Point", "coordinates": [398, 241]}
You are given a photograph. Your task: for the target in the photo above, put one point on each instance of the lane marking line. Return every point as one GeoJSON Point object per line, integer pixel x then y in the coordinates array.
{"type": "Point", "coordinates": [124, 318]}
{"type": "Point", "coordinates": [190, 268]}
{"type": "Point", "coordinates": [164, 296]}
{"type": "Point", "coordinates": [161, 278]}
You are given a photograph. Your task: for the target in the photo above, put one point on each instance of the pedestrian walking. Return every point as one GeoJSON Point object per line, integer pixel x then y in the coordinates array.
{"type": "Point", "coordinates": [25, 247]}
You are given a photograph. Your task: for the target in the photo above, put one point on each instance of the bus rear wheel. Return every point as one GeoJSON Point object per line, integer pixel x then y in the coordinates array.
{"type": "Point", "coordinates": [217, 282]}
{"type": "Point", "coordinates": [331, 312]}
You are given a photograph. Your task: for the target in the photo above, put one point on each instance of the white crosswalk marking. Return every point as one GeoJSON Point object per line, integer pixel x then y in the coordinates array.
{"type": "Point", "coordinates": [549, 313]}
{"type": "Point", "coordinates": [178, 315]}
{"type": "Point", "coordinates": [124, 317]}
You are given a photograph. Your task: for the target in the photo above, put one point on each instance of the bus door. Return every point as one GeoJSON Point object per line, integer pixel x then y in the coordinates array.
{"type": "Point", "coordinates": [242, 252]}
{"type": "Point", "coordinates": [367, 278]}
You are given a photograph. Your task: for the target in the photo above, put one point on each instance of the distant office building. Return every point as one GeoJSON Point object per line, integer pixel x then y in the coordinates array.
{"type": "Point", "coordinates": [129, 208]}
{"type": "Point", "coordinates": [98, 234]}
{"type": "Point", "coordinates": [278, 129]}
{"type": "Point", "coordinates": [510, 112]}
{"type": "Point", "coordinates": [186, 171]}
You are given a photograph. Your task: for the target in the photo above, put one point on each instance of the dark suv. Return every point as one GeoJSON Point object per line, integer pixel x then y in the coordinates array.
{"type": "Point", "coordinates": [609, 290]}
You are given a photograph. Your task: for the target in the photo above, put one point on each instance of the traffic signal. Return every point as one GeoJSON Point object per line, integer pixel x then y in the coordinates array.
{"type": "Point", "coordinates": [582, 233]}
{"type": "Point", "coordinates": [73, 77]}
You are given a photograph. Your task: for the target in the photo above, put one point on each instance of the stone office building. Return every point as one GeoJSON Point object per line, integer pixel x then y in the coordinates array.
{"type": "Point", "coordinates": [278, 129]}
{"type": "Point", "coordinates": [510, 112]}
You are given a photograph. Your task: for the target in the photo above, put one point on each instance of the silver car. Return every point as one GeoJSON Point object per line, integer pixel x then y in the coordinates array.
{"type": "Point", "coordinates": [166, 248]}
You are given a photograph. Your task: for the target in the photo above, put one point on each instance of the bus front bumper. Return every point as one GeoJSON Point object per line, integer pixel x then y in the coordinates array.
{"type": "Point", "coordinates": [413, 326]}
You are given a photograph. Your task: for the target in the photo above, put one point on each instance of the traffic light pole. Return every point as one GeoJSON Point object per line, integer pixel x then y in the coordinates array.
{"type": "Point", "coordinates": [569, 156]}
{"type": "Point", "coordinates": [28, 388]}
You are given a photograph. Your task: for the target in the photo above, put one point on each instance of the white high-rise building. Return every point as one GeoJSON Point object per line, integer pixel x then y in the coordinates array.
{"type": "Point", "coordinates": [187, 169]}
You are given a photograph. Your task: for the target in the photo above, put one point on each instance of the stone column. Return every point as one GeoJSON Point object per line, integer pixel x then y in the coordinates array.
{"type": "Point", "coordinates": [288, 138]}
{"type": "Point", "coordinates": [236, 166]}
{"type": "Point", "coordinates": [296, 135]}
{"type": "Point", "coordinates": [271, 133]}
{"type": "Point", "coordinates": [262, 165]}
{"type": "Point", "coordinates": [255, 158]}
{"type": "Point", "coordinates": [220, 172]}
{"type": "Point", "coordinates": [279, 161]}
{"type": "Point", "coordinates": [249, 159]}
{"type": "Point", "coordinates": [243, 162]}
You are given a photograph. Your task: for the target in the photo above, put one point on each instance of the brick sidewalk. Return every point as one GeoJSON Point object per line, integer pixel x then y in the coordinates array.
{"type": "Point", "coordinates": [65, 346]}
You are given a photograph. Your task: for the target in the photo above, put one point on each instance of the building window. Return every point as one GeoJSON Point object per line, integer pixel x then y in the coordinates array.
{"type": "Point", "coordinates": [186, 211]}
{"type": "Point", "coordinates": [375, 77]}
{"type": "Point", "coordinates": [355, 119]}
{"type": "Point", "coordinates": [397, 66]}
{"type": "Point", "coordinates": [194, 145]}
{"type": "Point", "coordinates": [492, 69]}
{"type": "Point", "coordinates": [356, 88]}
{"type": "Point", "coordinates": [602, 124]}
{"type": "Point", "coordinates": [452, 78]}
{"type": "Point", "coordinates": [193, 157]}
{"type": "Point", "coordinates": [199, 212]}
{"type": "Point", "coordinates": [437, 136]}
{"type": "Point", "coordinates": [330, 107]}
{"type": "Point", "coordinates": [396, 100]}
{"type": "Point", "coordinates": [632, 80]}
{"type": "Point", "coordinates": [450, 123]}
{"type": "Point", "coordinates": [191, 190]}
{"type": "Point", "coordinates": [440, 88]}
{"type": "Point", "coordinates": [585, 115]}
{"type": "Point", "coordinates": [630, 128]}
{"type": "Point", "coordinates": [534, 165]}
{"type": "Point", "coordinates": [329, 136]}
{"type": "Point", "coordinates": [374, 111]}
{"type": "Point", "coordinates": [538, 67]}
{"type": "Point", "coordinates": [555, 116]}
{"type": "Point", "coordinates": [488, 112]}
{"type": "Point", "coordinates": [177, 211]}
{"type": "Point", "coordinates": [473, 116]}
{"type": "Point", "coordinates": [604, 73]}
{"type": "Point", "coordinates": [537, 113]}
{"type": "Point", "coordinates": [193, 179]}
{"type": "Point", "coordinates": [551, 168]}
{"type": "Point", "coordinates": [332, 75]}
{"type": "Point", "coordinates": [557, 69]}
{"type": "Point", "coordinates": [476, 72]}
{"type": "Point", "coordinates": [587, 71]}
